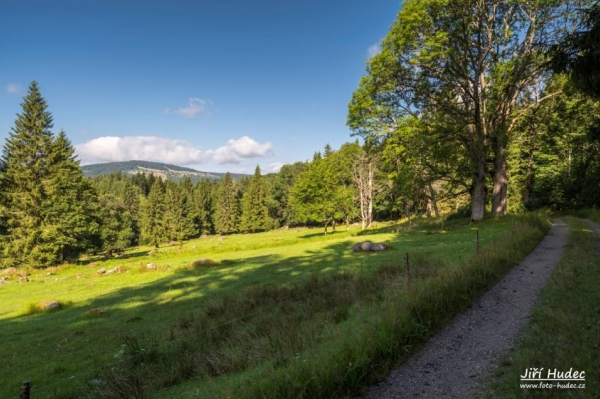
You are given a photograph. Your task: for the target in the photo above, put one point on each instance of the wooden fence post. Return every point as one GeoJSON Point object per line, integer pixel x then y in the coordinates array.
{"type": "Point", "coordinates": [407, 281]}
{"type": "Point", "coordinates": [25, 390]}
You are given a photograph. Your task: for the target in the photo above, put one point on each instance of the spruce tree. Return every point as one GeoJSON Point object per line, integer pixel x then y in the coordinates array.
{"type": "Point", "coordinates": [179, 213]}
{"type": "Point", "coordinates": [188, 227]}
{"type": "Point", "coordinates": [204, 205]}
{"type": "Point", "coordinates": [68, 215]}
{"type": "Point", "coordinates": [255, 213]}
{"type": "Point", "coordinates": [24, 183]}
{"type": "Point", "coordinates": [152, 212]}
{"type": "Point", "coordinates": [118, 229]}
{"type": "Point", "coordinates": [227, 212]}
{"type": "Point", "coordinates": [47, 206]}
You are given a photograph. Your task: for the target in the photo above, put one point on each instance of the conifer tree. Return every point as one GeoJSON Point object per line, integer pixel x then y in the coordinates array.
{"type": "Point", "coordinates": [188, 228]}
{"type": "Point", "coordinates": [25, 157]}
{"type": "Point", "coordinates": [179, 215]}
{"type": "Point", "coordinates": [152, 212]}
{"type": "Point", "coordinates": [118, 229]}
{"type": "Point", "coordinates": [68, 214]}
{"type": "Point", "coordinates": [203, 201]}
{"type": "Point", "coordinates": [227, 212]}
{"type": "Point", "coordinates": [255, 213]}
{"type": "Point", "coordinates": [46, 202]}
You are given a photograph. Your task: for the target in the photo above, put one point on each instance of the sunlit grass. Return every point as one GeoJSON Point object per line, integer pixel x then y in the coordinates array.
{"type": "Point", "coordinates": [104, 309]}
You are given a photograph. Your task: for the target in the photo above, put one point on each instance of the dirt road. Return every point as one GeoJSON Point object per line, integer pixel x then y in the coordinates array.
{"type": "Point", "coordinates": [458, 361]}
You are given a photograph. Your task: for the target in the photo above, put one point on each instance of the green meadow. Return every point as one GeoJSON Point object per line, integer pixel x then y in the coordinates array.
{"type": "Point", "coordinates": [287, 313]}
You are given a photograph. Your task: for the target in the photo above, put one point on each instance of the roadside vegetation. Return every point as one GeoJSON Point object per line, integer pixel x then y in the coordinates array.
{"type": "Point", "coordinates": [564, 328]}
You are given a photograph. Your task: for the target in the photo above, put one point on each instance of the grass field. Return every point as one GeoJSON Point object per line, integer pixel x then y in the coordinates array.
{"type": "Point", "coordinates": [564, 329]}
{"type": "Point", "coordinates": [282, 314]}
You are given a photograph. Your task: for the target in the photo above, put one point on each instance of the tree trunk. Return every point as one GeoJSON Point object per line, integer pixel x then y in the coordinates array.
{"type": "Point", "coordinates": [363, 211]}
{"type": "Point", "coordinates": [370, 196]}
{"type": "Point", "coordinates": [428, 209]}
{"type": "Point", "coordinates": [500, 182]}
{"type": "Point", "coordinates": [434, 201]}
{"type": "Point", "coordinates": [347, 222]}
{"type": "Point", "coordinates": [326, 223]}
{"type": "Point", "coordinates": [478, 194]}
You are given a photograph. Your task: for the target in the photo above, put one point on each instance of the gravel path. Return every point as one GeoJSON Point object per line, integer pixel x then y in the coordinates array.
{"type": "Point", "coordinates": [459, 361]}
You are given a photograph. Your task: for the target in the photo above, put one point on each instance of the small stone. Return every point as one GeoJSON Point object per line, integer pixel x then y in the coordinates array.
{"type": "Point", "coordinates": [102, 271]}
{"type": "Point", "coordinates": [151, 266]}
{"type": "Point", "coordinates": [49, 305]}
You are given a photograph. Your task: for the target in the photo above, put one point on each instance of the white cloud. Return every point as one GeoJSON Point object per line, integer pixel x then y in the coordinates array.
{"type": "Point", "coordinates": [272, 167]}
{"type": "Point", "coordinates": [159, 149]}
{"type": "Point", "coordinates": [237, 150]}
{"type": "Point", "coordinates": [13, 88]}
{"type": "Point", "coordinates": [374, 50]}
{"type": "Point", "coordinates": [147, 148]}
{"type": "Point", "coordinates": [195, 106]}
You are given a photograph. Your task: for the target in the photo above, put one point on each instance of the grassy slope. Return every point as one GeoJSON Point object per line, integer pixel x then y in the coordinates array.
{"type": "Point", "coordinates": [50, 347]}
{"type": "Point", "coordinates": [564, 329]}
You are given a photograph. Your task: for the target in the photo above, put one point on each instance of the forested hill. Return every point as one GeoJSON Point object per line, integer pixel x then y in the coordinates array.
{"type": "Point", "coordinates": [165, 171]}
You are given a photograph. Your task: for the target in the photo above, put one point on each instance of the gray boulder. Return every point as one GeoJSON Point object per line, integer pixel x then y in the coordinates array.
{"type": "Point", "coordinates": [369, 246]}
{"type": "Point", "coordinates": [379, 246]}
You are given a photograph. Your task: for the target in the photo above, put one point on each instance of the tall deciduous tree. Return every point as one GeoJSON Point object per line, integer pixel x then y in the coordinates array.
{"type": "Point", "coordinates": [313, 197]}
{"type": "Point", "coordinates": [579, 53]}
{"type": "Point", "coordinates": [364, 170]}
{"type": "Point", "coordinates": [280, 208]}
{"type": "Point", "coordinates": [466, 62]}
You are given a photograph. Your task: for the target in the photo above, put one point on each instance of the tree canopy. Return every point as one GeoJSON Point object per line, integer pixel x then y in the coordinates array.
{"type": "Point", "coordinates": [459, 71]}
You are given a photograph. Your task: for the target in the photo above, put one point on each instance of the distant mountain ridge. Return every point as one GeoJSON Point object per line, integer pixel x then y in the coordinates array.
{"type": "Point", "coordinates": [162, 170]}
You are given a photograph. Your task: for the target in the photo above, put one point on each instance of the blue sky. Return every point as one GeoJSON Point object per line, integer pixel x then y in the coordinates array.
{"type": "Point", "coordinates": [212, 84]}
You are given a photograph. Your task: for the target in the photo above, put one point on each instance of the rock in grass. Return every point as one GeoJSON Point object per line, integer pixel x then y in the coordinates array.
{"type": "Point", "coordinates": [204, 262]}
{"type": "Point", "coordinates": [115, 270]}
{"type": "Point", "coordinates": [102, 271]}
{"type": "Point", "coordinates": [378, 246]}
{"type": "Point", "coordinates": [369, 246]}
{"type": "Point", "coordinates": [362, 246]}
{"type": "Point", "coordinates": [48, 305]}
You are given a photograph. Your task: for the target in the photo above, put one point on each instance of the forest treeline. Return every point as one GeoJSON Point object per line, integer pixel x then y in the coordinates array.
{"type": "Point", "coordinates": [470, 107]}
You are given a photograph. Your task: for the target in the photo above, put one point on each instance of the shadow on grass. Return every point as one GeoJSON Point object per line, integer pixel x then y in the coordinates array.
{"type": "Point", "coordinates": [101, 258]}
{"type": "Point", "coordinates": [87, 334]}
